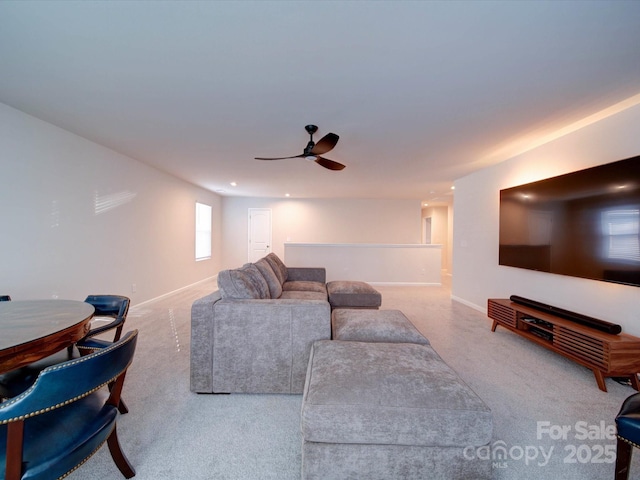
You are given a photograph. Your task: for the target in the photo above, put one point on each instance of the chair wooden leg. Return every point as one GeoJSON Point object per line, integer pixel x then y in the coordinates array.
{"type": "Point", "coordinates": [15, 437]}
{"type": "Point", "coordinates": [118, 456]}
{"type": "Point", "coordinates": [623, 459]}
{"type": "Point", "coordinates": [122, 407]}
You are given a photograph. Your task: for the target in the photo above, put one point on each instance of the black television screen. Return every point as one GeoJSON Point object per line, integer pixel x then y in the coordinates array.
{"type": "Point", "coordinates": [584, 224]}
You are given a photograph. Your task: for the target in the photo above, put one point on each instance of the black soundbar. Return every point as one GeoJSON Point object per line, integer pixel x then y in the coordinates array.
{"type": "Point", "coordinates": [568, 315]}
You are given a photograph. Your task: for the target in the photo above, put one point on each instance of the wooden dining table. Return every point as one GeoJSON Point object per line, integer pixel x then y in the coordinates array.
{"type": "Point", "coordinates": [34, 329]}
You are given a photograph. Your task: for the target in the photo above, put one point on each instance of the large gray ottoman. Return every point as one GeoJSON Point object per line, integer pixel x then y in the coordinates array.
{"type": "Point", "coordinates": [352, 294]}
{"type": "Point", "coordinates": [390, 326]}
{"type": "Point", "coordinates": [389, 411]}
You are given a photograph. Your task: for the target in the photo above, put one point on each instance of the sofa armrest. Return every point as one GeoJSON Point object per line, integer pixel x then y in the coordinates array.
{"type": "Point", "coordinates": [309, 274]}
{"type": "Point", "coordinates": [201, 342]}
{"type": "Point", "coordinates": [263, 346]}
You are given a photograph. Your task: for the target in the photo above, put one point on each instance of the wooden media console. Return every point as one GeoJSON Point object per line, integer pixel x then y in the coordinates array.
{"type": "Point", "coordinates": [606, 354]}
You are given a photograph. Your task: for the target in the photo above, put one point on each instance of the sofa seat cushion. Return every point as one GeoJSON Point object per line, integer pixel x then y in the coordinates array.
{"type": "Point", "coordinates": [359, 325]}
{"type": "Point", "coordinates": [389, 394]}
{"type": "Point", "coordinates": [305, 286]}
{"type": "Point", "coordinates": [302, 295]}
{"type": "Point", "coordinates": [243, 283]}
{"type": "Point", "coordinates": [351, 294]}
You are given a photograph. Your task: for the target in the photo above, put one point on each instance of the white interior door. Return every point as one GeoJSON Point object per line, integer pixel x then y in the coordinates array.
{"type": "Point", "coordinates": [259, 233]}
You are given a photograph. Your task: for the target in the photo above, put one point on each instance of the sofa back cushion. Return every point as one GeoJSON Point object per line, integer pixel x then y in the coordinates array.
{"type": "Point", "coordinates": [275, 287]}
{"type": "Point", "coordinates": [279, 268]}
{"type": "Point", "coordinates": [242, 283]}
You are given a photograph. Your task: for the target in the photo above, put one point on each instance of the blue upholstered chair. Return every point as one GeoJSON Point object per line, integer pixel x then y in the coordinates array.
{"type": "Point", "coordinates": [53, 427]}
{"type": "Point", "coordinates": [114, 307]}
{"type": "Point", "coordinates": [628, 425]}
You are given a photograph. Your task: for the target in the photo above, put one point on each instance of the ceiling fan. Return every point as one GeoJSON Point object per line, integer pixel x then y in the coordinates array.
{"type": "Point", "coordinates": [313, 150]}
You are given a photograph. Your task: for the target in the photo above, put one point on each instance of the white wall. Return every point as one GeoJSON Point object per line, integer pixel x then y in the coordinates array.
{"type": "Point", "coordinates": [379, 264]}
{"type": "Point", "coordinates": [78, 218]}
{"type": "Point", "coordinates": [476, 273]}
{"type": "Point", "coordinates": [319, 221]}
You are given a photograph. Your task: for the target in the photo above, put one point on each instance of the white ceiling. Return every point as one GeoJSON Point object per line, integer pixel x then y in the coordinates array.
{"type": "Point", "coordinates": [421, 93]}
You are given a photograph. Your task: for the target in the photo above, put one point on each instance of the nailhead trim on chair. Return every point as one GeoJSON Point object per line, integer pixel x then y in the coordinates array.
{"type": "Point", "coordinates": [83, 461]}
{"type": "Point", "coordinates": [71, 400]}
{"type": "Point", "coordinates": [628, 441]}
{"type": "Point", "coordinates": [91, 349]}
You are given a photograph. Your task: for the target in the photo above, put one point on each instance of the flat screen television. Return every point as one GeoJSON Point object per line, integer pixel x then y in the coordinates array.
{"type": "Point", "coordinates": [584, 224]}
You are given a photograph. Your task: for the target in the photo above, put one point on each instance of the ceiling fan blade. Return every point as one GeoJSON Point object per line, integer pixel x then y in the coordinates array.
{"type": "Point", "coordinates": [330, 164]}
{"type": "Point", "coordinates": [279, 158]}
{"type": "Point", "coordinates": [325, 144]}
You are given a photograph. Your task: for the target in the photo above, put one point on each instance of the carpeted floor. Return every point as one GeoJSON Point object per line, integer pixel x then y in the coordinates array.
{"type": "Point", "coordinates": [171, 433]}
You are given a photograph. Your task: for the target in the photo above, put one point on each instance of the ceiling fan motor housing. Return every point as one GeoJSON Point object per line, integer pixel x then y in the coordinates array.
{"type": "Point", "coordinates": [311, 129]}
{"type": "Point", "coordinates": [308, 148]}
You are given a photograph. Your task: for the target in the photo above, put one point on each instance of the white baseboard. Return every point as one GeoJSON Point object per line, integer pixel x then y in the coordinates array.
{"type": "Point", "coordinates": [469, 304]}
{"type": "Point", "coordinates": [138, 305]}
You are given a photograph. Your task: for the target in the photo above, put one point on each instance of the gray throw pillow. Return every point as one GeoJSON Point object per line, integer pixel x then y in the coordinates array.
{"type": "Point", "coordinates": [275, 288]}
{"type": "Point", "coordinates": [279, 268]}
{"type": "Point", "coordinates": [243, 283]}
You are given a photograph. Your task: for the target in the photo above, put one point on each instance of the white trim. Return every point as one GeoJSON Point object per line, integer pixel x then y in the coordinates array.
{"type": "Point", "coordinates": [469, 304]}
{"type": "Point", "coordinates": [404, 284]}
{"type": "Point", "coordinates": [133, 308]}
{"type": "Point", "coordinates": [366, 245]}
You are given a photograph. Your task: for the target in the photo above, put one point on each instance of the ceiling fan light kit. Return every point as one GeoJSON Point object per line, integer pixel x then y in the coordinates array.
{"type": "Point", "coordinates": [313, 150]}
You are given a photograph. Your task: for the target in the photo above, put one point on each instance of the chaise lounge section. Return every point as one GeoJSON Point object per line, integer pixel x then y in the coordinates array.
{"type": "Point", "coordinates": [385, 411]}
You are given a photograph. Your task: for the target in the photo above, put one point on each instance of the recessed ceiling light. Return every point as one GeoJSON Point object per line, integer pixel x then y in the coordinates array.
{"type": "Point", "coordinates": [233, 184]}
{"type": "Point", "coordinates": [287, 195]}
{"type": "Point", "coordinates": [453, 188]}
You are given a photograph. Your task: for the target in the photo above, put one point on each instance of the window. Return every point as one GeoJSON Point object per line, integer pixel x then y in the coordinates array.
{"type": "Point", "coordinates": [622, 229]}
{"type": "Point", "coordinates": [203, 231]}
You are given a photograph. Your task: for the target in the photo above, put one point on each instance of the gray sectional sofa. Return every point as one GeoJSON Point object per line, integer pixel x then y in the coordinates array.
{"type": "Point", "coordinates": [255, 333]}
{"type": "Point", "coordinates": [377, 400]}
